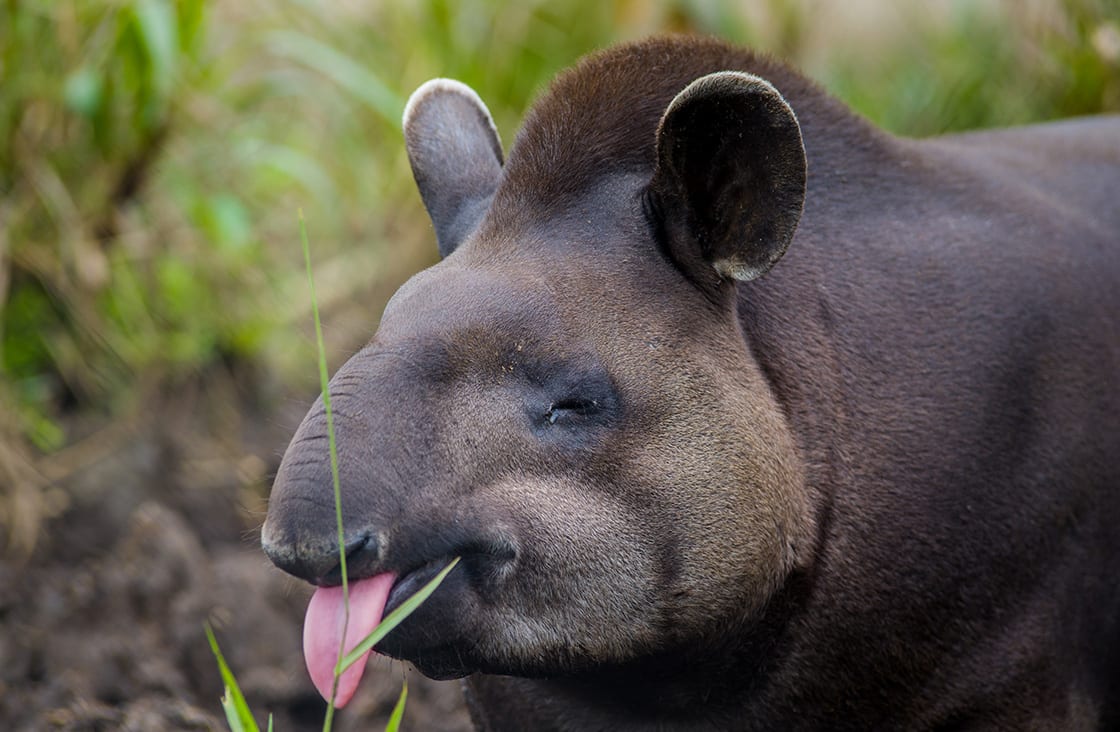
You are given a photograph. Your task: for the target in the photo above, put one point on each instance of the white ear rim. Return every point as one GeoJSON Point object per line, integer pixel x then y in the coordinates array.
{"type": "Point", "coordinates": [719, 79]}
{"type": "Point", "coordinates": [438, 86]}
{"type": "Point", "coordinates": [736, 269]}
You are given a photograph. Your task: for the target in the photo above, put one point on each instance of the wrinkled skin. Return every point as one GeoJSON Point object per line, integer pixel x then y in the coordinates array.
{"type": "Point", "coordinates": [871, 488]}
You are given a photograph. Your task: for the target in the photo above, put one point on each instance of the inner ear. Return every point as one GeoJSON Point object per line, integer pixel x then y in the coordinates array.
{"type": "Point", "coordinates": [730, 179]}
{"type": "Point", "coordinates": [456, 157]}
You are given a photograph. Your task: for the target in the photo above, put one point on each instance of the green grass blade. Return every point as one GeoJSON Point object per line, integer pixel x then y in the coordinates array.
{"type": "Point", "coordinates": [408, 606]}
{"type": "Point", "coordinates": [232, 718]}
{"type": "Point", "coordinates": [237, 710]}
{"type": "Point", "coordinates": [269, 723]}
{"type": "Point", "coordinates": [394, 618]}
{"type": "Point", "coordinates": [398, 710]}
{"type": "Point", "coordinates": [324, 382]}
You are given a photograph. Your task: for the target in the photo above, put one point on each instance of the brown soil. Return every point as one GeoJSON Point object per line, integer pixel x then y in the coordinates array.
{"type": "Point", "coordinates": [102, 627]}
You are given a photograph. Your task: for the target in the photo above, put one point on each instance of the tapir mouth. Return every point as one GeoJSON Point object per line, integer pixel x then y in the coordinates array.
{"type": "Point", "coordinates": [409, 583]}
{"type": "Point", "coordinates": [373, 598]}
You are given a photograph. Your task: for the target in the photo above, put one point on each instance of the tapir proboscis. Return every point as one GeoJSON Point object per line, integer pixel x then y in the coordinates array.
{"type": "Point", "coordinates": [741, 414]}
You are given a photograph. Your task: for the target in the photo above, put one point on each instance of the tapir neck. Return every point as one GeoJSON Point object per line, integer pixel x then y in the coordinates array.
{"type": "Point", "coordinates": [665, 697]}
{"type": "Point", "coordinates": [720, 683]}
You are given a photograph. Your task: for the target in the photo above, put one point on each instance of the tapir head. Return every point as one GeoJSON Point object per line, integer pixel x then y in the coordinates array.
{"type": "Point", "coordinates": [567, 401]}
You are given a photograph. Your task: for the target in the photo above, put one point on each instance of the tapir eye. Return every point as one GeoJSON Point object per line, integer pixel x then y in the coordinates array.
{"type": "Point", "coordinates": [564, 408]}
{"type": "Point", "coordinates": [573, 404]}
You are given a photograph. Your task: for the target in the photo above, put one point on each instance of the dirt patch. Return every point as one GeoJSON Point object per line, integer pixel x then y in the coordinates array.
{"type": "Point", "coordinates": [103, 625]}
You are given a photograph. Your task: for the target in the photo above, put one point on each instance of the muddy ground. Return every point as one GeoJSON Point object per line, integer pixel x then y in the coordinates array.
{"type": "Point", "coordinates": [102, 627]}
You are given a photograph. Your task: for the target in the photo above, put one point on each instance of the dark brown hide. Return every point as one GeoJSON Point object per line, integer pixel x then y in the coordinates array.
{"type": "Point", "coordinates": [877, 488]}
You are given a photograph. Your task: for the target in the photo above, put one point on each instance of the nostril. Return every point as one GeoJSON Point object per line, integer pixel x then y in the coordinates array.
{"type": "Point", "coordinates": [362, 553]}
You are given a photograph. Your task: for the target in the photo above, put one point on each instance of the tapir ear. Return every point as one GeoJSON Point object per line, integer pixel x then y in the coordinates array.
{"type": "Point", "coordinates": [730, 179]}
{"type": "Point", "coordinates": [456, 157]}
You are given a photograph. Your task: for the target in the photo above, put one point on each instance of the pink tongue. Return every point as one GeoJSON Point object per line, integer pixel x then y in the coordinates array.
{"type": "Point", "coordinates": [322, 632]}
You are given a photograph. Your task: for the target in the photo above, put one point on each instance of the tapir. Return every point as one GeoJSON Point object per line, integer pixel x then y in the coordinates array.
{"type": "Point", "coordinates": [739, 412]}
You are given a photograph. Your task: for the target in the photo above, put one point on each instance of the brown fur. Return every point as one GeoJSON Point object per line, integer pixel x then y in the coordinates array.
{"type": "Point", "coordinates": [877, 488]}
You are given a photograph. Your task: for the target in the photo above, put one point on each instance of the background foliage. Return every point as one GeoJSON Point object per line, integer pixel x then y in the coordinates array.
{"type": "Point", "coordinates": [153, 154]}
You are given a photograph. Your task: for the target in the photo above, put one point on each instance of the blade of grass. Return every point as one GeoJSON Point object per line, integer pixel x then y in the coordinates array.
{"type": "Point", "coordinates": [236, 708]}
{"type": "Point", "coordinates": [232, 717]}
{"type": "Point", "coordinates": [408, 606]}
{"type": "Point", "coordinates": [325, 383]}
{"type": "Point", "coordinates": [398, 710]}
{"type": "Point", "coordinates": [394, 619]}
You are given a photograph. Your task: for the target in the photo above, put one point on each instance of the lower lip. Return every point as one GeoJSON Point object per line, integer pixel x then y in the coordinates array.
{"type": "Point", "coordinates": [409, 583]}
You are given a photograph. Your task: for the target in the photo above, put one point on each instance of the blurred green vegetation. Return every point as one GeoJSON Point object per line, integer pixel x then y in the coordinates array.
{"type": "Point", "coordinates": [153, 155]}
